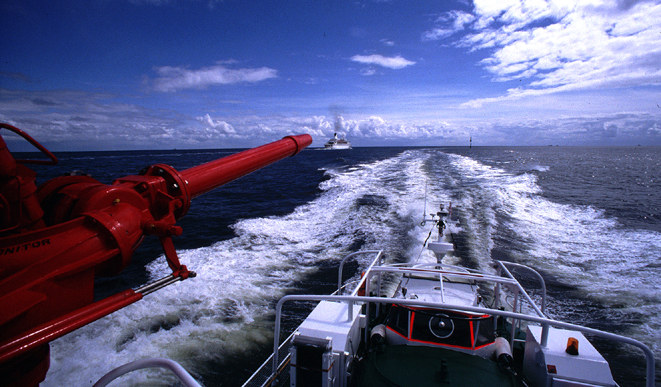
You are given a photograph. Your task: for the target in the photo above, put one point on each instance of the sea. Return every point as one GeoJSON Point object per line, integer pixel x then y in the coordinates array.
{"type": "Point", "coordinates": [587, 218]}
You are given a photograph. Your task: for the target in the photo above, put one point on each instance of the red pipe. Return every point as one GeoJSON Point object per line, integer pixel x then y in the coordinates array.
{"type": "Point", "coordinates": [47, 274]}
{"type": "Point", "coordinates": [203, 178]}
{"type": "Point", "coordinates": [62, 325]}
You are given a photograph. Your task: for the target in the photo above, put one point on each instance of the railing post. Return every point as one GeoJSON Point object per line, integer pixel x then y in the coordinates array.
{"type": "Point", "coordinates": [350, 306]}
{"type": "Point", "coordinates": [514, 321]}
{"type": "Point", "coordinates": [545, 335]}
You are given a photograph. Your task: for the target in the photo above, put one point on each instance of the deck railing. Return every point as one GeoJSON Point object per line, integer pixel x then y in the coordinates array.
{"type": "Point", "coordinates": [180, 372]}
{"type": "Point", "coordinates": [447, 272]}
{"type": "Point", "coordinates": [649, 355]}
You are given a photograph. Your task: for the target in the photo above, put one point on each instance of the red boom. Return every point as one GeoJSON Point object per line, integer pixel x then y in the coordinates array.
{"type": "Point", "coordinates": [55, 239]}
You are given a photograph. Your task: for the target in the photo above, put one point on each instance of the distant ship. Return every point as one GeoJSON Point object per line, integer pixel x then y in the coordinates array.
{"type": "Point", "coordinates": [337, 143]}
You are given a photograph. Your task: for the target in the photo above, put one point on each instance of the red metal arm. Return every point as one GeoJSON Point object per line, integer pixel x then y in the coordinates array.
{"type": "Point", "coordinates": [49, 258]}
{"type": "Point", "coordinates": [203, 178]}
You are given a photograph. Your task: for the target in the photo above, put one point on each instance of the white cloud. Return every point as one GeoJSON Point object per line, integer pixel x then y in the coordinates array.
{"type": "Point", "coordinates": [451, 22]}
{"type": "Point", "coordinates": [374, 130]}
{"type": "Point", "coordinates": [368, 71]}
{"type": "Point", "coordinates": [437, 33]}
{"type": "Point", "coordinates": [65, 120]}
{"type": "Point", "coordinates": [220, 127]}
{"type": "Point", "coordinates": [557, 45]}
{"type": "Point", "coordinates": [394, 63]}
{"type": "Point", "coordinates": [77, 120]}
{"type": "Point", "coordinates": [176, 78]}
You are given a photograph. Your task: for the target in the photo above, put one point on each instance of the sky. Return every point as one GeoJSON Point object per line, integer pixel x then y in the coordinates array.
{"type": "Point", "coordinates": [165, 74]}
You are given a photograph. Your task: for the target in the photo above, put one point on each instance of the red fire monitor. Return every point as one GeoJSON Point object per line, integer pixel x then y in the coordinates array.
{"type": "Point", "coordinates": [55, 239]}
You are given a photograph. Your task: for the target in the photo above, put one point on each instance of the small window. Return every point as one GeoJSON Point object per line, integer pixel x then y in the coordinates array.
{"type": "Point", "coordinates": [485, 333]}
{"type": "Point", "coordinates": [398, 320]}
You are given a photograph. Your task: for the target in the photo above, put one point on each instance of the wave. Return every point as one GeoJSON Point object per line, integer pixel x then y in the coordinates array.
{"type": "Point", "coordinates": [227, 309]}
{"type": "Point", "coordinates": [540, 168]}
{"type": "Point", "coordinates": [576, 246]}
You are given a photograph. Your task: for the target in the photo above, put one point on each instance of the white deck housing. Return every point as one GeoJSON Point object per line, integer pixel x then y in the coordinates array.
{"type": "Point", "coordinates": [328, 325]}
{"type": "Point", "coordinates": [553, 366]}
{"type": "Point", "coordinates": [329, 319]}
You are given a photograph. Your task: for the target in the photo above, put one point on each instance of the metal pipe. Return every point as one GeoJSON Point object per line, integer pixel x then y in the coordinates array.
{"type": "Point", "coordinates": [339, 276]}
{"type": "Point", "coordinates": [545, 335]}
{"type": "Point", "coordinates": [447, 274]}
{"type": "Point", "coordinates": [184, 377]}
{"type": "Point", "coordinates": [513, 330]}
{"type": "Point", "coordinates": [539, 277]}
{"type": "Point", "coordinates": [55, 328]}
{"type": "Point", "coordinates": [205, 177]}
{"type": "Point", "coordinates": [158, 284]}
{"type": "Point", "coordinates": [339, 273]}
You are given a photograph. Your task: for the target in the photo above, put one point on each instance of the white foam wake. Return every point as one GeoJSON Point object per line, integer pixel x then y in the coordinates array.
{"type": "Point", "coordinates": [578, 245]}
{"type": "Point", "coordinates": [227, 308]}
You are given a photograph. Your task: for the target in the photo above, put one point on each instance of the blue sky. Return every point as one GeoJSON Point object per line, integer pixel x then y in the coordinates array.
{"type": "Point", "coordinates": [146, 74]}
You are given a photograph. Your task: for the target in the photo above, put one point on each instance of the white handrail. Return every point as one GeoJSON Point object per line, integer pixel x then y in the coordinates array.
{"type": "Point", "coordinates": [339, 272]}
{"type": "Point", "coordinates": [504, 265]}
{"type": "Point", "coordinates": [180, 372]}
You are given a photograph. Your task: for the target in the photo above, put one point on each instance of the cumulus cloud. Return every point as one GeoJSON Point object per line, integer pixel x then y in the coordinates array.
{"type": "Point", "coordinates": [95, 121]}
{"type": "Point", "coordinates": [394, 63]}
{"type": "Point", "coordinates": [557, 46]}
{"type": "Point", "coordinates": [176, 78]}
{"type": "Point", "coordinates": [598, 129]}
{"type": "Point", "coordinates": [615, 129]}
{"type": "Point", "coordinates": [255, 130]}
{"type": "Point", "coordinates": [374, 130]}
{"type": "Point", "coordinates": [77, 120]}
{"type": "Point", "coordinates": [218, 126]}
{"type": "Point", "coordinates": [448, 24]}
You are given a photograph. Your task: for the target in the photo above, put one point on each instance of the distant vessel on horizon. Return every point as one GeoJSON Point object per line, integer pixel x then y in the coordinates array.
{"type": "Point", "coordinates": [337, 143]}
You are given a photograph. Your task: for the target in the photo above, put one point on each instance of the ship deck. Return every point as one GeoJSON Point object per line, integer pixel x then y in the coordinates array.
{"type": "Point", "coordinates": [403, 365]}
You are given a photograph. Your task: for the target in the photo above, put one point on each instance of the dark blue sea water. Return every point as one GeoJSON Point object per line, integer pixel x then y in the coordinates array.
{"type": "Point", "coordinates": [589, 219]}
